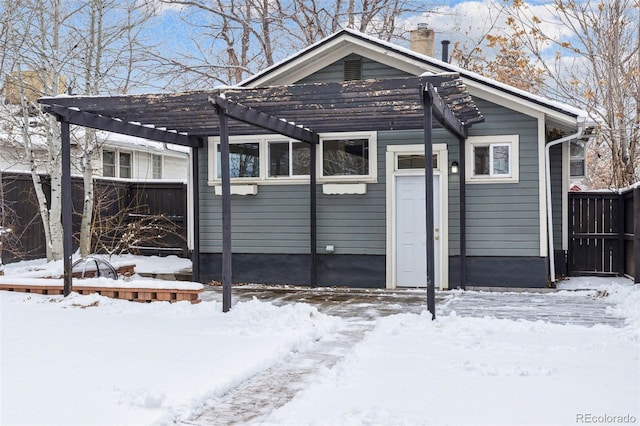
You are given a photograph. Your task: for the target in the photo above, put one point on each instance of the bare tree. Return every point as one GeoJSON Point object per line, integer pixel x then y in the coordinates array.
{"type": "Point", "coordinates": [590, 52]}
{"type": "Point", "coordinates": [109, 49]}
{"type": "Point", "coordinates": [53, 46]}
{"type": "Point", "coordinates": [232, 39]}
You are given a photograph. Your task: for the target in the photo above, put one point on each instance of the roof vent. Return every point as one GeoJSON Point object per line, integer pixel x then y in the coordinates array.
{"type": "Point", "coordinates": [352, 69]}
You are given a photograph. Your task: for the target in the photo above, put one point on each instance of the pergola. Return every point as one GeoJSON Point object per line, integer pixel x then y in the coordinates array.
{"type": "Point", "coordinates": [299, 112]}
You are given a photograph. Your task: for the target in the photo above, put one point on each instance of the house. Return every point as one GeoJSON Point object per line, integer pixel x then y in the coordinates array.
{"type": "Point", "coordinates": [500, 183]}
{"type": "Point", "coordinates": [371, 215]}
{"type": "Point", "coordinates": [118, 156]}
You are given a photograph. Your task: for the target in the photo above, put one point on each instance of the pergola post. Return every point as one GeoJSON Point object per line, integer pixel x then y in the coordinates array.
{"type": "Point", "coordinates": [225, 176]}
{"type": "Point", "coordinates": [313, 215]}
{"type": "Point", "coordinates": [195, 191]}
{"type": "Point", "coordinates": [463, 214]}
{"type": "Point", "coordinates": [67, 206]}
{"type": "Point", "coordinates": [428, 183]}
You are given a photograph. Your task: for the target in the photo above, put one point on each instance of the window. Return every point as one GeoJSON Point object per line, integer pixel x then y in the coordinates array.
{"type": "Point", "coordinates": [244, 160]}
{"type": "Point", "coordinates": [156, 166]}
{"type": "Point", "coordinates": [492, 159]}
{"type": "Point", "coordinates": [117, 164]}
{"type": "Point", "coordinates": [348, 157]}
{"type": "Point", "coordinates": [577, 159]}
{"type": "Point", "coordinates": [125, 164]}
{"type": "Point", "coordinates": [272, 159]}
{"type": "Point", "coordinates": [411, 161]}
{"type": "Point", "coordinates": [289, 158]}
{"type": "Point", "coordinates": [345, 157]}
{"type": "Point", "coordinates": [109, 163]}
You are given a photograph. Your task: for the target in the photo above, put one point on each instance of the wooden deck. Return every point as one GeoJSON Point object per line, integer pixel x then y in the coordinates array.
{"type": "Point", "coordinates": [125, 293]}
{"type": "Point", "coordinates": [141, 294]}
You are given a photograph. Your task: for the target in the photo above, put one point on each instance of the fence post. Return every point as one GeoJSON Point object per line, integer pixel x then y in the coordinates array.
{"type": "Point", "coordinates": [620, 262]}
{"type": "Point", "coordinates": [636, 234]}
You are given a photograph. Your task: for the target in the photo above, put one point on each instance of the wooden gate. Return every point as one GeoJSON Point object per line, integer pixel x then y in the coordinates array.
{"type": "Point", "coordinates": [603, 235]}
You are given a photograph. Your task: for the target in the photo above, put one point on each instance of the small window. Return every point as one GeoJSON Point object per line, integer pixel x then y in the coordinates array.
{"type": "Point", "coordinates": [109, 163]}
{"type": "Point", "coordinates": [156, 166]}
{"type": "Point", "coordinates": [244, 160]}
{"type": "Point", "coordinates": [577, 159]}
{"type": "Point", "coordinates": [289, 158]}
{"type": "Point", "coordinates": [411, 161]}
{"type": "Point", "coordinates": [125, 164]}
{"type": "Point", "coordinates": [492, 159]}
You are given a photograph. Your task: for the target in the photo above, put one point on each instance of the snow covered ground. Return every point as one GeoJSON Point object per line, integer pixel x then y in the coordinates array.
{"type": "Point", "coordinates": [88, 360]}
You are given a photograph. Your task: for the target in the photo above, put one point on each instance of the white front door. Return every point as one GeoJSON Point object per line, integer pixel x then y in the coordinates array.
{"type": "Point", "coordinates": [410, 231]}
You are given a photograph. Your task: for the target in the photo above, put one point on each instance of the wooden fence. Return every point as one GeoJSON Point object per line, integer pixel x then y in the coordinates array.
{"type": "Point", "coordinates": [604, 233]}
{"type": "Point", "coordinates": [118, 203]}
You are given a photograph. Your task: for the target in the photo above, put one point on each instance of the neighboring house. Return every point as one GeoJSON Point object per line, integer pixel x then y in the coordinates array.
{"type": "Point", "coordinates": [119, 156]}
{"type": "Point", "coordinates": [133, 158]}
{"type": "Point", "coordinates": [371, 186]}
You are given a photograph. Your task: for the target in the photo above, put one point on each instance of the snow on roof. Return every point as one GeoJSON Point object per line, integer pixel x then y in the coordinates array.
{"type": "Point", "coordinates": [580, 114]}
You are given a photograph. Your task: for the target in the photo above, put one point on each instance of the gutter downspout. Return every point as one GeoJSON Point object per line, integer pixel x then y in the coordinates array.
{"type": "Point", "coordinates": [577, 135]}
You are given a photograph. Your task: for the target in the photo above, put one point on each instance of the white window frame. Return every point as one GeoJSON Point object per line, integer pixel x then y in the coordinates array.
{"type": "Point", "coordinates": [290, 176]}
{"type": "Point", "coordinates": [371, 177]}
{"type": "Point", "coordinates": [582, 158]}
{"type": "Point", "coordinates": [153, 168]}
{"type": "Point", "coordinates": [116, 160]}
{"type": "Point", "coordinates": [265, 179]}
{"type": "Point", "coordinates": [511, 141]}
{"type": "Point", "coordinates": [130, 154]}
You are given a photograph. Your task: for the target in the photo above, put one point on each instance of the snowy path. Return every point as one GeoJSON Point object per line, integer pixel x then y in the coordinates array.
{"type": "Point", "coordinates": [257, 398]}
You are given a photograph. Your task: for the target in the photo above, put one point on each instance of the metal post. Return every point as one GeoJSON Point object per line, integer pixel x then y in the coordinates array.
{"type": "Point", "coordinates": [428, 183]}
{"type": "Point", "coordinates": [67, 207]}
{"type": "Point", "coordinates": [313, 215]}
{"type": "Point", "coordinates": [226, 211]}
{"type": "Point", "coordinates": [195, 192]}
{"type": "Point", "coordinates": [463, 215]}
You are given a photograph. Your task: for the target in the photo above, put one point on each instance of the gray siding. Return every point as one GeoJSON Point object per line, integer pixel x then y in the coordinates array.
{"type": "Point", "coordinates": [370, 70]}
{"type": "Point", "coordinates": [503, 219]}
{"type": "Point", "coordinates": [276, 220]}
{"type": "Point", "coordinates": [556, 194]}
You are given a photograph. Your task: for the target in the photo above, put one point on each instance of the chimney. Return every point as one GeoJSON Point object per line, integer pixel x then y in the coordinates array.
{"type": "Point", "coordinates": [423, 40]}
{"type": "Point", "coordinates": [445, 50]}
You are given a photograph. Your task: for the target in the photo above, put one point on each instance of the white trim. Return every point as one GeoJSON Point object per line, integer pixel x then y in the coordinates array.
{"type": "Point", "coordinates": [265, 179]}
{"type": "Point", "coordinates": [391, 157]}
{"type": "Point", "coordinates": [542, 185]}
{"type": "Point", "coordinates": [344, 188]}
{"type": "Point", "coordinates": [238, 190]}
{"type": "Point", "coordinates": [372, 137]}
{"type": "Point", "coordinates": [512, 141]}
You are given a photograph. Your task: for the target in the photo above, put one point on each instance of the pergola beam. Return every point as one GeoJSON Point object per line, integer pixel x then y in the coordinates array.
{"type": "Point", "coordinates": [257, 118]}
{"type": "Point", "coordinates": [443, 114]}
{"type": "Point", "coordinates": [107, 124]}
